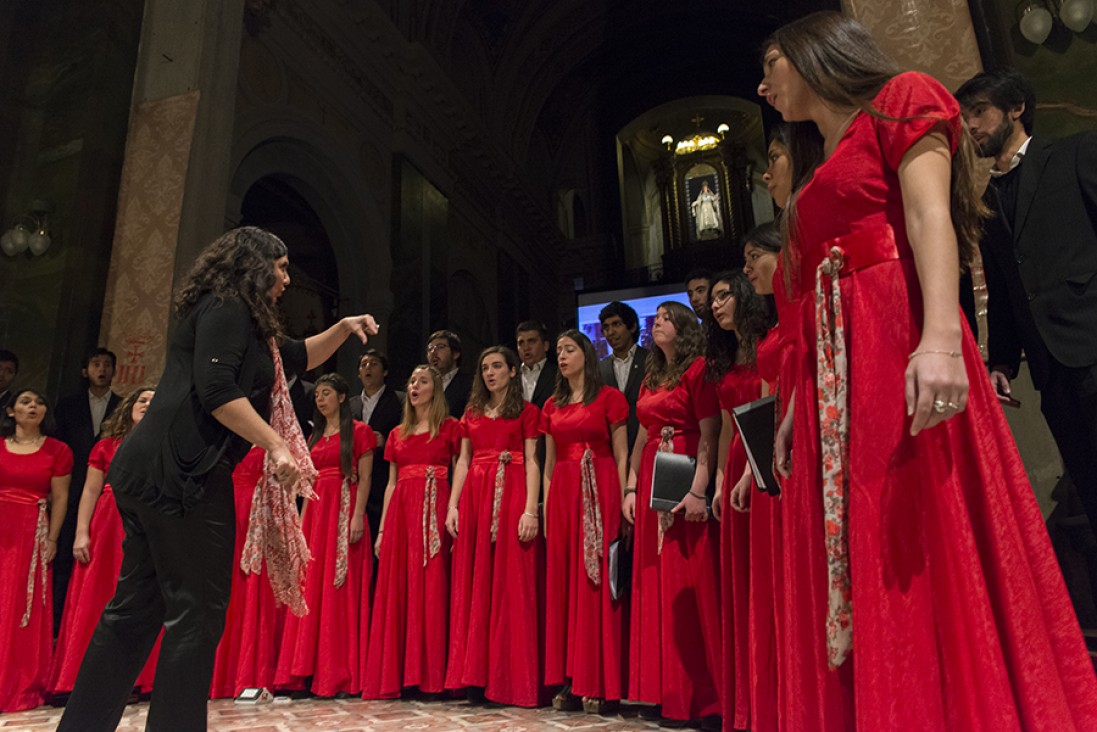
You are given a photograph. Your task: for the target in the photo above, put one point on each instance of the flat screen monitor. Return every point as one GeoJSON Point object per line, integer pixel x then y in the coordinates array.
{"type": "Point", "coordinates": [644, 300]}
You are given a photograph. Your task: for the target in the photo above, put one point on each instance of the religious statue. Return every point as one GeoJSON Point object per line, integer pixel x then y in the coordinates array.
{"type": "Point", "coordinates": [706, 213]}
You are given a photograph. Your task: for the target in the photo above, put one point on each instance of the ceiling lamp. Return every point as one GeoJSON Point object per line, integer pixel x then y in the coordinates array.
{"type": "Point", "coordinates": [29, 232]}
{"type": "Point", "coordinates": [1037, 18]}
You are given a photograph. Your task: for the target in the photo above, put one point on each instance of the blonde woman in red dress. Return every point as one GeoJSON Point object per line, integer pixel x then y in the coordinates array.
{"type": "Point", "coordinates": [97, 550]}
{"type": "Point", "coordinates": [407, 635]}
{"type": "Point", "coordinates": [322, 648]}
{"type": "Point", "coordinates": [674, 655]}
{"type": "Point", "coordinates": [498, 556]}
{"type": "Point", "coordinates": [586, 451]}
{"type": "Point", "coordinates": [917, 562]}
{"type": "Point", "coordinates": [34, 488]}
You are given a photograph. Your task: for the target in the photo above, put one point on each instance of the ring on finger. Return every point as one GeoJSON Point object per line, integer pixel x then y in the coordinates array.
{"type": "Point", "coordinates": [954, 406]}
{"type": "Point", "coordinates": [940, 406]}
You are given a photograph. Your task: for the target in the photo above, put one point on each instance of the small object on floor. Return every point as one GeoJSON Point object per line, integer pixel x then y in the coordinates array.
{"type": "Point", "coordinates": [254, 695]}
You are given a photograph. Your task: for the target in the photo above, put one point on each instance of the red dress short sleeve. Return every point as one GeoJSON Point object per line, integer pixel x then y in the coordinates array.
{"type": "Point", "coordinates": [364, 439]}
{"type": "Point", "coordinates": [102, 453]}
{"type": "Point", "coordinates": [531, 422]}
{"type": "Point", "coordinates": [62, 457]}
{"type": "Point", "coordinates": [920, 104]}
{"type": "Point", "coordinates": [616, 405]}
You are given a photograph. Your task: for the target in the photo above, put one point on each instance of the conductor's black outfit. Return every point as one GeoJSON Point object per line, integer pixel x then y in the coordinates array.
{"type": "Point", "coordinates": [172, 481]}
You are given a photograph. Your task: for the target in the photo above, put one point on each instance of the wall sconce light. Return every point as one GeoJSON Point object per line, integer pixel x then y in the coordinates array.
{"type": "Point", "coordinates": [1036, 18]}
{"type": "Point", "coordinates": [29, 232]}
{"type": "Point", "coordinates": [722, 130]}
{"type": "Point", "coordinates": [668, 141]}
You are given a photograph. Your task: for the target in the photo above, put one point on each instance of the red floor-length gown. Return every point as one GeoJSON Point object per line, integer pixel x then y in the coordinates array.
{"type": "Point", "coordinates": [495, 602]}
{"type": "Point", "coordinates": [675, 653]}
{"type": "Point", "coordinates": [248, 652]}
{"type": "Point", "coordinates": [584, 626]}
{"type": "Point", "coordinates": [766, 563]}
{"type": "Point", "coordinates": [739, 385]}
{"type": "Point", "coordinates": [407, 637]}
{"type": "Point", "coordinates": [25, 651]}
{"type": "Point", "coordinates": [324, 643]}
{"type": "Point", "coordinates": [93, 584]}
{"type": "Point", "coordinates": [960, 617]}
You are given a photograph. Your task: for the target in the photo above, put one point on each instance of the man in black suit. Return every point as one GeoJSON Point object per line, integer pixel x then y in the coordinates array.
{"type": "Point", "coordinates": [1040, 257]}
{"type": "Point", "coordinates": [383, 410]}
{"type": "Point", "coordinates": [626, 366]}
{"type": "Point", "coordinates": [9, 369]}
{"type": "Point", "coordinates": [538, 372]}
{"type": "Point", "coordinates": [303, 395]}
{"type": "Point", "coordinates": [79, 417]}
{"type": "Point", "coordinates": [444, 354]}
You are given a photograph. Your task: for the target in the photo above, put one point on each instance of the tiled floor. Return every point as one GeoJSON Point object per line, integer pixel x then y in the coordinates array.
{"type": "Point", "coordinates": [353, 715]}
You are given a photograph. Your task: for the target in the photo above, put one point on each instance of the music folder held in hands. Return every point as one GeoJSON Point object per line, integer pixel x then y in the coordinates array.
{"type": "Point", "coordinates": [755, 422]}
{"type": "Point", "coordinates": [671, 479]}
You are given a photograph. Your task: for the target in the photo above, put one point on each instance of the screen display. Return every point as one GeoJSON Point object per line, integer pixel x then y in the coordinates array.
{"type": "Point", "coordinates": [644, 300]}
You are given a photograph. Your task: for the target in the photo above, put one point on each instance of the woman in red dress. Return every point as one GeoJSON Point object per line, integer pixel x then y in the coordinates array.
{"type": "Point", "coordinates": [247, 655]}
{"type": "Point", "coordinates": [921, 567]}
{"type": "Point", "coordinates": [97, 549]}
{"type": "Point", "coordinates": [34, 489]}
{"type": "Point", "coordinates": [586, 451]}
{"type": "Point", "coordinates": [675, 645]}
{"type": "Point", "coordinates": [760, 253]}
{"type": "Point", "coordinates": [494, 524]}
{"type": "Point", "coordinates": [740, 318]}
{"type": "Point", "coordinates": [321, 649]}
{"type": "Point", "coordinates": [407, 636]}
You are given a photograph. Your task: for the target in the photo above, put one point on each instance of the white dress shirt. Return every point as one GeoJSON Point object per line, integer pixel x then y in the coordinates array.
{"type": "Point", "coordinates": [448, 377]}
{"type": "Point", "coordinates": [1014, 161]}
{"type": "Point", "coordinates": [98, 409]}
{"type": "Point", "coordinates": [530, 375]}
{"type": "Point", "coordinates": [622, 367]}
{"type": "Point", "coordinates": [369, 403]}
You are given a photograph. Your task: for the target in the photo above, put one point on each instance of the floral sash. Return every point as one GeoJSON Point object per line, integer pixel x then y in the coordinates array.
{"type": "Point", "coordinates": [432, 540]}
{"type": "Point", "coordinates": [831, 382]}
{"type": "Point", "coordinates": [38, 563]}
{"type": "Point", "coordinates": [592, 518]}
{"type": "Point", "coordinates": [342, 536]}
{"type": "Point", "coordinates": [666, 518]}
{"type": "Point", "coordinates": [497, 498]}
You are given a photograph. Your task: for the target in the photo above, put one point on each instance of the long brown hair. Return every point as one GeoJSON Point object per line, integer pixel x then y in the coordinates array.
{"type": "Point", "coordinates": [238, 264]}
{"type": "Point", "coordinates": [346, 423]}
{"type": "Point", "coordinates": [592, 375]}
{"type": "Point", "coordinates": [120, 421]}
{"type": "Point", "coordinates": [844, 66]}
{"type": "Point", "coordinates": [438, 411]}
{"type": "Point", "coordinates": [513, 401]}
{"type": "Point", "coordinates": [689, 344]}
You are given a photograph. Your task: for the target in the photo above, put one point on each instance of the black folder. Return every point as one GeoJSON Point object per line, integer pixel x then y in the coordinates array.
{"type": "Point", "coordinates": [755, 422]}
{"type": "Point", "coordinates": [620, 568]}
{"type": "Point", "coordinates": [671, 479]}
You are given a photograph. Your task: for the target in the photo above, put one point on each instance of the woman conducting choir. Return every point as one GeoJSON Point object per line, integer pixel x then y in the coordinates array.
{"type": "Point", "coordinates": [586, 452]}
{"type": "Point", "coordinates": [97, 550]}
{"type": "Point", "coordinates": [674, 656]}
{"type": "Point", "coordinates": [920, 568]}
{"type": "Point", "coordinates": [34, 489]}
{"type": "Point", "coordinates": [493, 519]}
{"type": "Point", "coordinates": [324, 645]}
{"type": "Point", "coordinates": [407, 637]}
{"type": "Point", "coordinates": [172, 478]}
{"type": "Point", "coordinates": [740, 318]}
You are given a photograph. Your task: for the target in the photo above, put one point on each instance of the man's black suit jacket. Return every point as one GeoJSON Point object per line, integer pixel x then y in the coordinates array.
{"type": "Point", "coordinates": [74, 428]}
{"type": "Point", "coordinates": [457, 394]}
{"type": "Point", "coordinates": [632, 387]}
{"type": "Point", "coordinates": [386, 416]}
{"type": "Point", "coordinates": [1041, 268]}
{"type": "Point", "coordinates": [546, 384]}
{"type": "Point", "coordinates": [303, 396]}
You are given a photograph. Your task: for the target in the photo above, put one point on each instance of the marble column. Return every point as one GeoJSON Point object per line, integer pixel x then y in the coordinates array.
{"type": "Point", "coordinates": [175, 177]}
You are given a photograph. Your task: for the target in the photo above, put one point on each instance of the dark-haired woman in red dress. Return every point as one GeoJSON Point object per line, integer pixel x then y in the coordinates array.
{"type": "Point", "coordinates": [916, 554]}
{"type": "Point", "coordinates": [586, 451]}
{"type": "Point", "coordinates": [34, 488]}
{"type": "Point", "coordinates": [407, 635]}
{"type": "Point", "coordinates": [247, 655]}
{"type": "Point", "coordinates": [495, 643]}
{"type": "Point", "coordinates": [97, 549]}
{"type": "Point", "coordinates": [674, 655]}
{"type": "Point", "coordinates": [740, 318]}
{"type": "Point", "coordinates": [323, 645]}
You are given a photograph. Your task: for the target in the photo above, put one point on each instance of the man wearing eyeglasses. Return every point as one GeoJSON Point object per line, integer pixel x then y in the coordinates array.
{"type": "Point", "coordinates": [444, 354]}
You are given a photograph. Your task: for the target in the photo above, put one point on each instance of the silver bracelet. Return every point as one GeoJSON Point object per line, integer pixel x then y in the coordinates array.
{"type": "Point", "coordinates": [533, 516]}
{"type": "Point", "coordinates": [950, 354]}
